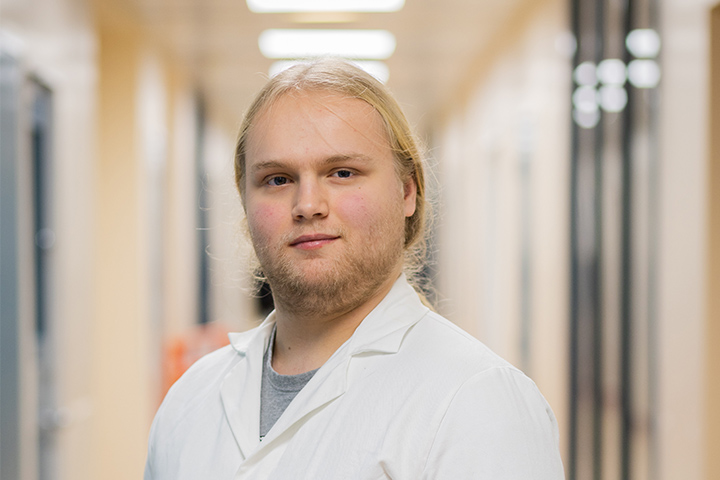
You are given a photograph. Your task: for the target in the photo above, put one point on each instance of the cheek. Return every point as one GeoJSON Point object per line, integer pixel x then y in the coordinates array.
{"type": "Point", "coordinates": [354, 208]}
{"type": "Point", "coordinates": [367, 211]}
{"type": "Point", "coordinates": [264, 220]}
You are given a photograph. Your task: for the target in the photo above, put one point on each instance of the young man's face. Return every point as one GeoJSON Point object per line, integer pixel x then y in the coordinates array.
{"type": "Point", "coordinates": [325, 207]}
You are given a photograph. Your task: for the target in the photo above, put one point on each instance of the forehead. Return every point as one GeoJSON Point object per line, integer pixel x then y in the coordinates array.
{"type": "Point", "coordinates": [316, 123]}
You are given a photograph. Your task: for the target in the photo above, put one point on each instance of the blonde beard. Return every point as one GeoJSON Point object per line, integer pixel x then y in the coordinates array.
{"type": "Point", "coordinates": [341, 284]}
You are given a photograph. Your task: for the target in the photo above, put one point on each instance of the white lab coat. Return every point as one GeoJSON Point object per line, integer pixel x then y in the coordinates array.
{"type": "Point", "coordinates": [408, 396]}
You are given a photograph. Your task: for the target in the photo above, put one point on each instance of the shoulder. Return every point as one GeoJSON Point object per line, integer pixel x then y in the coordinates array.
{"type": "Point", "coordinates": [479, 382]}
{"type": "Point", "coordinates": [502, 394]}
{"type": "Point", "coordinates": [489, 405]}
{"type": "Point", "coordinates": [198, 385]}
{"type": "Point", "coordinates": [500, 412]}
{"type": "Point", "coordinates": [476, 372]}
{"type": "Point", "coordinates": [452, 365]}
{"type": "Point", "coordinates": [450, 347]}
{"type": "Point", "coordinates": [454, 397]}
{"type": "Point", "coordinates": [195, 392]}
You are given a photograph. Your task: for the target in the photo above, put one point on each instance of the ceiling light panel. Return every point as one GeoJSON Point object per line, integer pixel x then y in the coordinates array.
{"type": "Point", "coordinates": [286, 6]}
{"type": "Point", "coordinates": [299, 43]}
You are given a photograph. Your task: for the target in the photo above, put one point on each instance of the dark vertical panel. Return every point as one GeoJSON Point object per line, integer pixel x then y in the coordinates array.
{"type": "Point", "coordinates": [586, 240]}
{"type": "Point", "coordinates": [626, 266]}
{"type": "Point", "coordinates": [653, 126]}
{"type": "Point", "coordinates": [574, 264]}
{"type": "Point", "coordinates": [9, 304]}
{"type": "Point", "coordinates": [597, 300]}
{"type": "Point", "coordinates": [203, 314]}
{"type": "Point", "coordinates": [44, 236]}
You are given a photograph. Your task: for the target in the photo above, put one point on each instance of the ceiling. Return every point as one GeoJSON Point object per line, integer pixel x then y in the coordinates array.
{"type": "Point", "coordinates": [436, 42]}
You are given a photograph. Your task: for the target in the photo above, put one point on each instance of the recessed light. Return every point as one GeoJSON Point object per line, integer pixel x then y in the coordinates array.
{"type": "Point", "coordinates": [299, 43]}
{"type": "Point", "coordinates": [324, 17]}
{"type": "Point", "coordinates": [286, 6]}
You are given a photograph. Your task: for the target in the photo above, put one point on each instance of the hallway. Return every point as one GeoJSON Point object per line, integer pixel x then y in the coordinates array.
{"type": "Point", "coordinates": [575, 183]}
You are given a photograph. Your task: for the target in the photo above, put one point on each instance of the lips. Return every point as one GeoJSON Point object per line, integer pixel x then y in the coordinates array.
{"type": "Point", "coordinates": [312, 241]}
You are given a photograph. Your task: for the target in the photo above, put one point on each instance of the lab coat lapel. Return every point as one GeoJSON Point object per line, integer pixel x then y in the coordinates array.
{"type": "Point", "coordinates": [384, 328]}
{"type": "Point", "coordinates": [240, 390]}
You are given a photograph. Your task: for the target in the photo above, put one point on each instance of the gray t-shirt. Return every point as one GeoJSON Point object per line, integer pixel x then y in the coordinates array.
{"type": "Point", "coordinates": [277, 391]}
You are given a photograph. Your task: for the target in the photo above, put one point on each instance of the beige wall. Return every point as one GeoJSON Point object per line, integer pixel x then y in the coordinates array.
{"type": "Point", "coordinates": [229, 247]}
{"type": "Point", "coordinates": [123, 325]}
{"type": "Point", "coordinates": [124, 206]}
{"type": "Point", "coordinates": [683, 255]}
{"type": "Point", "coordinates": [146, 232]}
{"type": "Point", "coordinates": [180, 260]}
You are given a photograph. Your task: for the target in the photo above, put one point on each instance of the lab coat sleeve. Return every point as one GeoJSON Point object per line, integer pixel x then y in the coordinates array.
{"type": "Point", "coordinates": [148, 471]}
{"type": "Point", "coordinates": [150, 461]}
{"type": "Point", "coordinates": [498, 426]}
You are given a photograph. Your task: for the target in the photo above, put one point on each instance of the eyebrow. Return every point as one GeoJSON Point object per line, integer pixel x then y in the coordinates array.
{"type": "Point", "coordinates": [266, 165]}
{"type": "Point", "coordinates": [332, 160]}
{"type": "Point", "coordinates": [345, 158]}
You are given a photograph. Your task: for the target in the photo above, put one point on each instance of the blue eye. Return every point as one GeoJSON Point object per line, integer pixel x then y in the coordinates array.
{"type": "Point", "coordinates": [344, 173]}
{"type": "Point", "coordinates": [277, 181]}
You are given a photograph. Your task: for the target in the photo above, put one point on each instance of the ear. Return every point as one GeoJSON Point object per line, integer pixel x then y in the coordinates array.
{"type": "Point", "coordinates": [410, 196]}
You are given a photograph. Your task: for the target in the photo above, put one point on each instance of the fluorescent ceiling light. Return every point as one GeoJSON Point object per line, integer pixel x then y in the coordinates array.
{"type": "Point", "coordinates": [298, 43]}
{"type": "Point", "coordinates": [284, 6]}
{"type": "Point", "coordinates": [377, 69]}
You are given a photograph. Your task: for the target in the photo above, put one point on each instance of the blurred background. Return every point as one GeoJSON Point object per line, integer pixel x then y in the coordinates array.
{"type": "Point", "coordinates": [574, 147]}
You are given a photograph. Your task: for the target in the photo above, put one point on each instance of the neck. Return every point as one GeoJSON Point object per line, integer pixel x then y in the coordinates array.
{"type": "Point", "coordinates": [306, 339]}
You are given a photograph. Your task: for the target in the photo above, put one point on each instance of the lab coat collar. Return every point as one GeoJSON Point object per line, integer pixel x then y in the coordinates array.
{"type": "Point", "coordinates": [243, 341]}
{"type": "Point", "coordinates": [241, 386]}
{"type": "Point", "coordinates": [381, 332]}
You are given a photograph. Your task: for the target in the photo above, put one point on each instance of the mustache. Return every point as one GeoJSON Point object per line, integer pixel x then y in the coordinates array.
{"type": "Point", "coordinates": [310, 231]}
{"type": "Point", "coordinates": [297, 234]}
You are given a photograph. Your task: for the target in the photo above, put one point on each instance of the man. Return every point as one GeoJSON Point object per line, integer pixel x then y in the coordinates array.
{"type": "Point", "coordinates": [351, 377]}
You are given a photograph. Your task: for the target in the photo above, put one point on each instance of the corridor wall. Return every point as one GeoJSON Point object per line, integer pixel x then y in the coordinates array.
{"type": "Point", "coordinates": [130, 150]}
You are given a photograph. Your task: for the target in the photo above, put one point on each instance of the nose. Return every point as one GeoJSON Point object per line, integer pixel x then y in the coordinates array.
{"type": "Point", "coordinates": [310, 201]}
